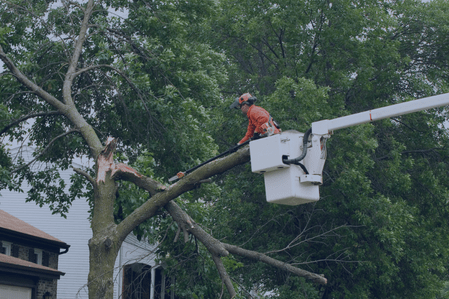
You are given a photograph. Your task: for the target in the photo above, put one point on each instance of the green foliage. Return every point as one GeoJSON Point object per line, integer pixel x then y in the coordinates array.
{"type": "Point", "coordinates": [296, 287]}
{"type": "Point", "coordinates": [6, 165]}
{"type": "Point", "coordinates": [47, 188]}
{"type": "Point", "coordinates": [444, 292]}
{"type": "Point", "coordinates": [298, 103]}
{"type": "Point", "coordinates": [4, 31]}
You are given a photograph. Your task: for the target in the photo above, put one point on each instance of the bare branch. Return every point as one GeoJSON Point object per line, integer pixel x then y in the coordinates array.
{"type": "Point", "coordinates": [85, 174]}
{"type": "Point", "coordinates": [25, 117]}
{"type": "Point", "coordinates": [224, 276]}
{"type": "Point", "coordinates": [86, 69]}
{"type": "Point", "coordinates": [184, 221]}
{"type": "Point", "coordinates": [423, 151]}
{"type": "Point", "coordinates": [71, 72]}
{"type": "Point", "coordinates": [260, 228]}
{"type": "Point", "coordinates": [254, 255]}
{"type": "Point", "coordinates": [213, 245]}
{"type": "Point", "coordinates": [44, 150]}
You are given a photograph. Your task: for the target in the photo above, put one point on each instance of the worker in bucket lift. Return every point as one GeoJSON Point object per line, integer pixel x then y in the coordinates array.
{"type": "Point", "coordinates": [261, 123]}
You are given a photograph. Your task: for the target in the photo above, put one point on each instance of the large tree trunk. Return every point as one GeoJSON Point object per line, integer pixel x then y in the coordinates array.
{"type": "Point", "coordinates": [105, 244]}
{"type": "Point", "coordinates": [101, 273]}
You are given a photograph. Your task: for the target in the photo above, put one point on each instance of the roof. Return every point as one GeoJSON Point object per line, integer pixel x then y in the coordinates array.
{"type": "Point", "coordinates": [9, 223]}
{"type": "Point", "coordinates": [13, 264]}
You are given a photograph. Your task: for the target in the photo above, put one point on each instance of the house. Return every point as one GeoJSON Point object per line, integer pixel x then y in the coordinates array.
{"type": "Point", "coordinates": [136, 259]}
{"type": "Point", "coordinates": [28, 260]}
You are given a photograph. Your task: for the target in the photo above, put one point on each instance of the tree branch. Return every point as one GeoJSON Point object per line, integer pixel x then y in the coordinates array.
{"type": "Point", "coordinates": [224, 276]}
{"type": "Point", "coordinates": [86, 69]}
{"type": "Point", "coordinates": [29, 84]}
{"type": "Point", "coordinates": [71, 72]}
{"type": "Point", "coordinates": [25, 117]}
{"type": "Point", "coordinates": [85, 174]}
{"type": "Point", "coordinates": [214, 246]}
{"type": "Point", "coordinates": [185, 222]}
{"type": "Point", "coordinates": [187, 183]}
{"type": "Point", "coordinates": [254, 255]}
{"type": "Point", "coordinates": [44, 150]}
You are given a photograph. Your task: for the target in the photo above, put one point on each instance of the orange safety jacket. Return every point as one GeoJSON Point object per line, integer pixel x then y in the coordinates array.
{"type": "Point", "coordinates": [260, 122]}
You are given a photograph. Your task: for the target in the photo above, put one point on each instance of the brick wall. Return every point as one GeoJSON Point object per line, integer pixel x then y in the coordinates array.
{"type": "Point", "coordinates": [24, 253]}
{"type": "Point", "coordinates": [46, 285]}
{"type": "Point", "coordinates": [51, 260]}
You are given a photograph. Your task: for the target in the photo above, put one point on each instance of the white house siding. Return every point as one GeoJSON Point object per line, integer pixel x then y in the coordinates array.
{"type": "Point", "coordinates": [132, 251]}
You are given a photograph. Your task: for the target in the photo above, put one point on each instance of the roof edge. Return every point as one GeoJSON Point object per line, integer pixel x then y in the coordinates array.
{"type": "Point", "coordinates": [28, 237]}
{"type": "Point", "coordinates": [28, 268]}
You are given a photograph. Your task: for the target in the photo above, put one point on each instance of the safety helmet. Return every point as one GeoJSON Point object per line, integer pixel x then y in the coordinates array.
{"type": "Point", "coordinates": [244, 99]}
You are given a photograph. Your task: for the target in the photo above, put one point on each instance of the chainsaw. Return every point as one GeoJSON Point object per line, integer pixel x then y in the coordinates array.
{"type": "Point", "coordinates": [181, 174]}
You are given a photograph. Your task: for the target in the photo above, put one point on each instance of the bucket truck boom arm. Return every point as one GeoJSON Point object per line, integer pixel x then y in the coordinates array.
{"type": "Point", "coordinates": [327, 126]}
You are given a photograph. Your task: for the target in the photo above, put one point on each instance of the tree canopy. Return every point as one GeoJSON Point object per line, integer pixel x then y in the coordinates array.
{"type": "Point", "coordinates": [159, 76]}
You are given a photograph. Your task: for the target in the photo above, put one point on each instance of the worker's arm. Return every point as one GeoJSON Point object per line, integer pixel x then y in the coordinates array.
{"type": "Point", "coordinates": [249, 132]}
{"type": "Point", "coordinates": [258, 118]}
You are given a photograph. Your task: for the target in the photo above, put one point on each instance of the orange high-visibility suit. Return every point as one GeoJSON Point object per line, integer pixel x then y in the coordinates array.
{"type": "Point", "coordinates": [260, 122]}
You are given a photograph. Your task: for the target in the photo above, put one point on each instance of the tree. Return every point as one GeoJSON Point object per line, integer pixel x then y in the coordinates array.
{"type": "Point", "coordinates": [83, 75]}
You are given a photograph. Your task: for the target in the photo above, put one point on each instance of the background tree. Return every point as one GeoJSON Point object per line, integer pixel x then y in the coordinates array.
{"type": "Point", "coordinates": [83, 74]}
{"type": "Point", "coordinates": [384, 181]}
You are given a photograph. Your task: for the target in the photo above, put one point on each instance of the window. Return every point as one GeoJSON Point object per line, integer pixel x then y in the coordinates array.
{"type": "Point", "coordinates": [35, 255]}
{"type": "Point", "coordinates": [6, 247]}
{"type": "Point", "coordinates": [38, 253]}
{"type": "Point", "coordinates": [138, 283]}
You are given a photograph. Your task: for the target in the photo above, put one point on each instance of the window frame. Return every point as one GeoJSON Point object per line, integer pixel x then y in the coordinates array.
{"type": "Point", "coordinates": [7, 245]}
{"type": "Point", "coordinates": [38, 253]}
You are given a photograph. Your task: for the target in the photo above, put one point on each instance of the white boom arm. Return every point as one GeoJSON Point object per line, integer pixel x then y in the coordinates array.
{"type": "Point", "coordinates": [326, 126]}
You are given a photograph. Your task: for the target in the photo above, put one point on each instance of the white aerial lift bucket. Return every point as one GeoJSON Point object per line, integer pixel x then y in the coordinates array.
{"type": "Point", "coordinates": [289, 184]}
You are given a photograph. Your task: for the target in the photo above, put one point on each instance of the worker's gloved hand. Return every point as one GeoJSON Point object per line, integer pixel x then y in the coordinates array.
{"type": "Point", "coordinates": [255, 136]}
{"type": "Point", "coordinates": [234, 148]}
